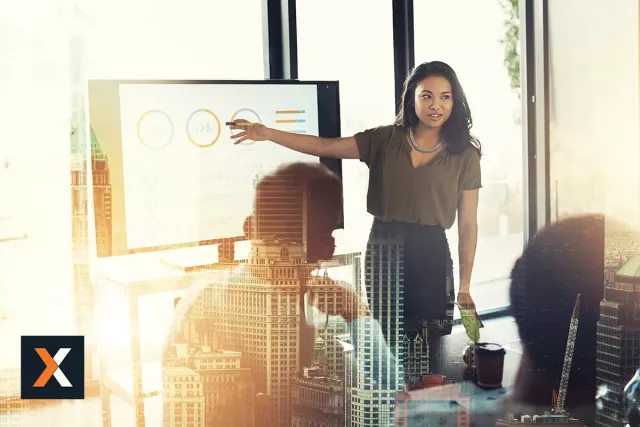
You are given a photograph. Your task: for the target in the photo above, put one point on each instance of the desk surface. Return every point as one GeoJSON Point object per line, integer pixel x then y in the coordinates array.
{"type": "Point", "coordinates": [150, 272]}
{"type": "Point", "coordinates": [120, 381]}
{"type": "Point", "coordinates": [128, 270]}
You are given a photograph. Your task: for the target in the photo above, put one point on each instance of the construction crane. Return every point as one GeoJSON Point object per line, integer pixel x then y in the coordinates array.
{"type": "Point", "coordinates": [568, 356]}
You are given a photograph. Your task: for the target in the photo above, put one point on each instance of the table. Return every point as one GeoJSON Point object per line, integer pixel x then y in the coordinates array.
{"type": "Point", "coordinates": [134, 276]}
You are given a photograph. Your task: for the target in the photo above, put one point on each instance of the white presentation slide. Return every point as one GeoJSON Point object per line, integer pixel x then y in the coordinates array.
{"type": "Point", "coordinates": [184, 179]}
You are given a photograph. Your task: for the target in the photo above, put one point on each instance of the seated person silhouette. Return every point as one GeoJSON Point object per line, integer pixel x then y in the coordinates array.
{"type": "Point", "coordinates": [563, 260]}
{"type": "Point", "coordinates": [560, 262]}
{"type": "Point", "coordinates": [248, 329]}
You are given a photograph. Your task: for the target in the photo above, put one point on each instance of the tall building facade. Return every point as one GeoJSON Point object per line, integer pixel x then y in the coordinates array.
{"type": "Point", "coordinates": [256, 307]}
{"type": "Point", "coordinates": [618, 348]}
{"type": "Point", "coordinates": [349, 378]}
{"type": "Point", "coordinates": [101, 180]}
{"type": "Point", "coordinates": [331, 298]}
{"type": "Point", "coordinates": [318, 401]}
{"type": "Point", "coordinates": [318, 398]}
{"type": "Point", "coordinates": [228, 390]}
{"type": "Point", "coordinates": [415, 357]}
{"type": "Point", "coordinates": [83, 157]}
{"type": "Point", "coordinates": [377, 375]}
{"type": "Point", "coordinates": [280, 210]}
{"type": "Point", "coordinates": [265, 410]}
{"type": "Point", "coordinates": [101, 185]}
{"type": "Point", "coordinates": [183, 397]}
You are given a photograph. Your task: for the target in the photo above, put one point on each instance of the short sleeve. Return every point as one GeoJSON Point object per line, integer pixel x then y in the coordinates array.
{"type": "Point", "coordinates": [370, 141]}
{"type": "Point", "coordinates": [472, 179]}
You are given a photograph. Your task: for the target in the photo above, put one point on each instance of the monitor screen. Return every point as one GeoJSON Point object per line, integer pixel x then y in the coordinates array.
{"type": "Point", "coordinates": [164, 164]}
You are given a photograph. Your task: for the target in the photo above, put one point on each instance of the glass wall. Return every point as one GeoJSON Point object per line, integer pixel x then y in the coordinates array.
{"type": "Point", "coordinates": [477, 38]}
{"type": "Point", "coordinates": [593, 105]}
{"type": "Point", "coordinates": [595, 158]}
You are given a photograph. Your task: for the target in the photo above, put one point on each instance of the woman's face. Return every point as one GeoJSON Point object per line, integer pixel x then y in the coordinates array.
{"type": "Point", "coordinates": [434, 101]}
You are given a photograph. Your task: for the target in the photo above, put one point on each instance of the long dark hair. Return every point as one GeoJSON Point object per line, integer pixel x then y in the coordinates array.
{"type": "Point", "coordinates": [456, 130]}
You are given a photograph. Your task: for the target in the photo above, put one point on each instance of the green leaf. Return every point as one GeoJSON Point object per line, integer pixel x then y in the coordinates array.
{"type": "Point", "coordinates": [471, 323]}
{"type": "Point", "coordinates": [511, 42]}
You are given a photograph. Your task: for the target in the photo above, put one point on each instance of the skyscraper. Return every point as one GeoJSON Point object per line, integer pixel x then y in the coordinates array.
{"type": "Point", "coordinates": [377, 375]}
{"type": "Point", "coordinates": [183, 397]}
{"type": "Point", "coordinates": [415, 357]}
{"type": "Point", "coordinates": [318, 398]}
{"type": "Point", "coordinates": [227, 389]}
{"type": "Point", "coordinates": [84, 301]}
{"type": "Point", "coordinates": [101, 197]}
{"type": "Point", "coordinates": [280, 210]}
{"type": "Point", "coordinates": [349, 378]}
{"type": "Point", "coordinates": [254, 309]}
{"type": "Point", "coordinates": [331, 298]}
{"type": "Point", "coordinates": [618, 350]}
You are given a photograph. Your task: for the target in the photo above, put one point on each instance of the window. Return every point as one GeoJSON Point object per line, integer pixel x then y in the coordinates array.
{"type": "Point", "coordinates": [467, 35]}
{"type": "Point", "coordinates": [593, 155]}
{"type": "Point", "coordinates": [123, 39]}
{"type": "Point", "coordinates": [36, 272]}
{"type": "Point", "coordinates": [359, 54]}
{"type": "Point", "coordinates": [198, 40]}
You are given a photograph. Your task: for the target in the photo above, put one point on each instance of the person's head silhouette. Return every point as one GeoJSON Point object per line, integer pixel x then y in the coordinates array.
{"type": "Point", "coordinates": [561, 261]}
{"type": "Point", "coordinates": [298, 201]}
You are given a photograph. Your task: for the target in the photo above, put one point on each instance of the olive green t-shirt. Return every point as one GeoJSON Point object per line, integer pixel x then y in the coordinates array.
{"type": "Point", "coordinates": [426, 195]}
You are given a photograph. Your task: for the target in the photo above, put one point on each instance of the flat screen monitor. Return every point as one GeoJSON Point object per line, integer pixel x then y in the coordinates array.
{"type": "Point", "coordinates": [166, 168]}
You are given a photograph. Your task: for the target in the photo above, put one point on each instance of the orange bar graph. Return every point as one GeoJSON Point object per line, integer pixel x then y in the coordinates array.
{"type": "Point", "coordinates": [287, 121]}
{"type": "Point", "coordinates": [289, 111]}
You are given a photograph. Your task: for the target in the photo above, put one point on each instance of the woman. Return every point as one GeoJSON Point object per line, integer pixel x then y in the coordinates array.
{"type": "Point", "coordinates": [423, 170]}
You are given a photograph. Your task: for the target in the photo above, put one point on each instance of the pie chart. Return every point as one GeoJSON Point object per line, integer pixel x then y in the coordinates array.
{"type": "Point", "coordinates": [155, 129]}
{"type": "Point", "coordinates": [249, 115]}
{"type": "Point", "coordinates": [203, 128]}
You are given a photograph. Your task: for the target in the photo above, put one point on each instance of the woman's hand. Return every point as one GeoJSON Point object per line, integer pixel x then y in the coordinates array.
{"type": "Point", "coordinates": [465, 301]}
{"type": "Point", "coordinates": [257, 132]}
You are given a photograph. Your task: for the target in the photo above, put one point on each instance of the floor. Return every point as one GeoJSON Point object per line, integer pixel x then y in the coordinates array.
{"type": "Point", "coordinates": [491, 294]}
{"type": "Point", "coordinates": [87, 413]}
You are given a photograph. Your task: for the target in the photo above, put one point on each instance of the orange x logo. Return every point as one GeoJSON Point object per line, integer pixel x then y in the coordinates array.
{"type": "Point", "coordinates": [52, 368]}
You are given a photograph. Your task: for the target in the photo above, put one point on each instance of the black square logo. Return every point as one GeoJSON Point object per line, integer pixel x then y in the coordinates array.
{"type": "Point", "coordinates": [52, 367]}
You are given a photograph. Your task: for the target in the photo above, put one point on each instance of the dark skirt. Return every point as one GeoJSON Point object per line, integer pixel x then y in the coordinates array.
{"type": "Point", "coordinates": [409, 279]}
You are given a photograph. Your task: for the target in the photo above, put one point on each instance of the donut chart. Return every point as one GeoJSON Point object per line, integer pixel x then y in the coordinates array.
{"type": "Point", "coordinates": [155, 129]}
{"type": "Point", "coordinates": [201, 125]}
{"type": "Point", "coordinates": [247, 114]}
